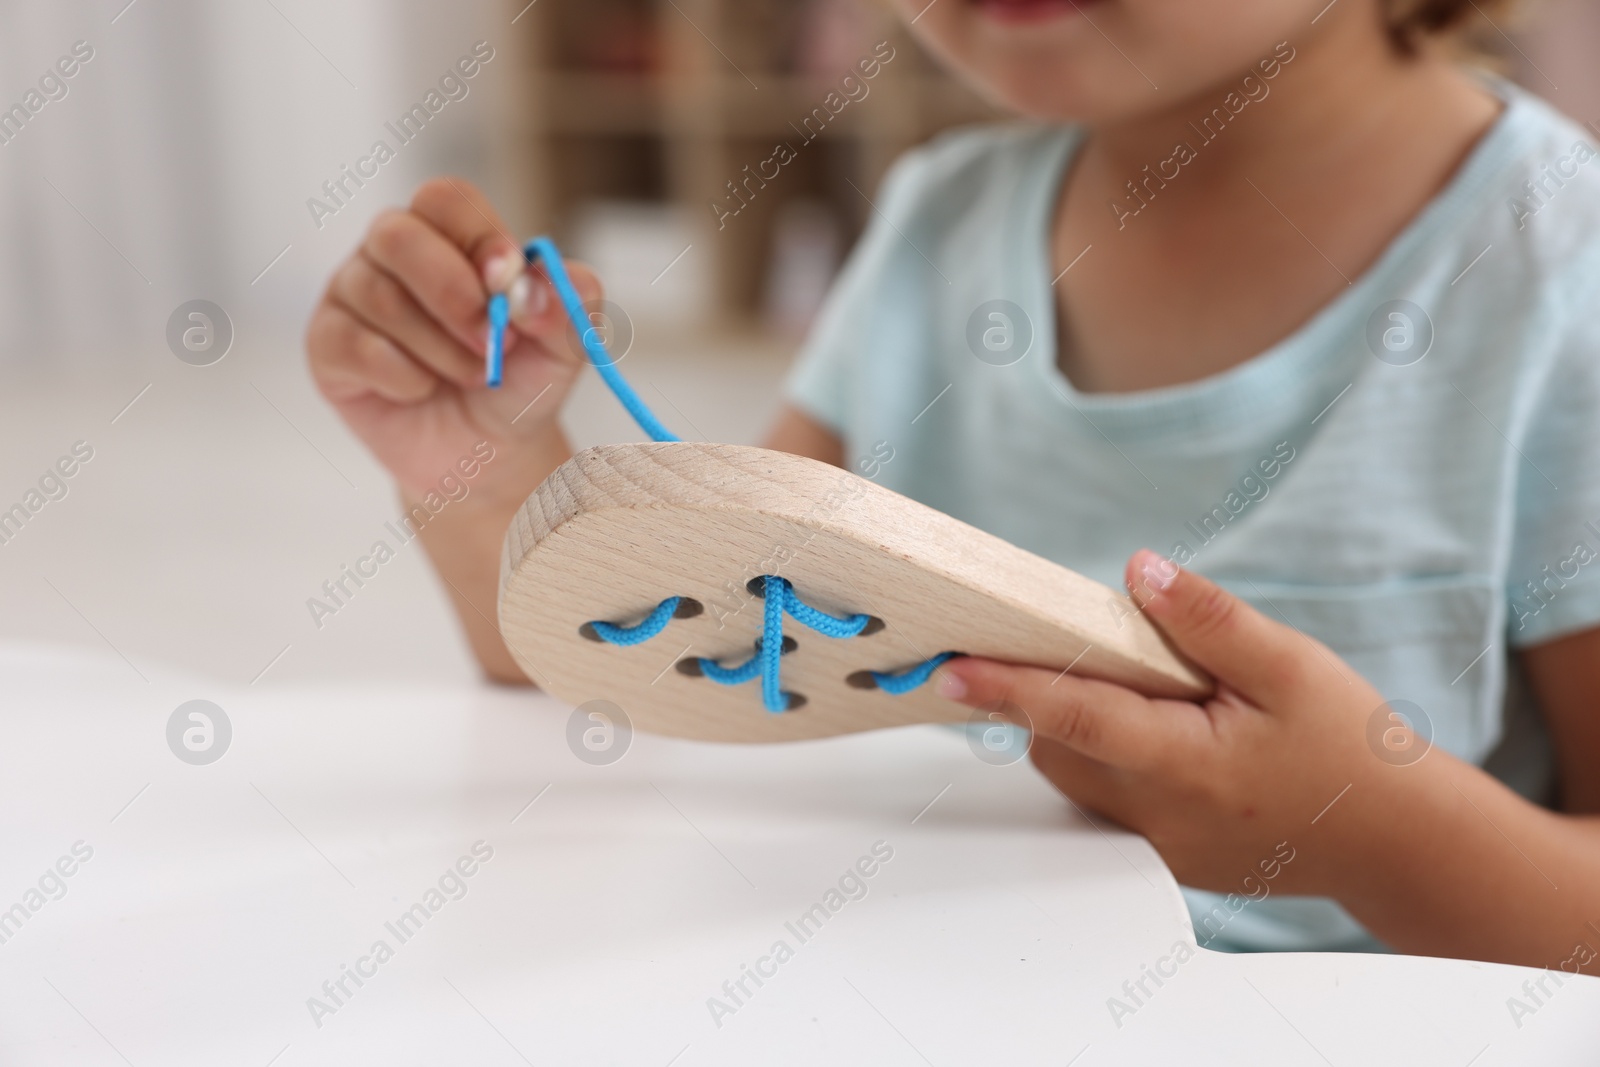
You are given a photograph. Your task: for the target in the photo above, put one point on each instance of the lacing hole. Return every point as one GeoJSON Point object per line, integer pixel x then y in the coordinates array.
{"type": "Point", "coordinates": [690, 667]}
{"type": "Point", "coordinates": [757, 586]}
{"type": "Point", "coordinates": [861, 680]}
{"type": "Point", "coordinates": [589, 633]}
{"type": "Point", "coordinates": [874, 624]}
{"type": "Point", "coordinates": [688, 608]}
{"type": "Point", "coordinates": [795, 700]}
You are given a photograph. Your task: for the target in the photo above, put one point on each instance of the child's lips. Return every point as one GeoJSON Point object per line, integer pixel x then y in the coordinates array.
{"type": "Point", "coordinates": [1031, 11]}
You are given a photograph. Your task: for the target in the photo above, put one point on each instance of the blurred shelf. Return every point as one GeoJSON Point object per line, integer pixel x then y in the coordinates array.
{"type": "Point", "coordinates": [579, 102]}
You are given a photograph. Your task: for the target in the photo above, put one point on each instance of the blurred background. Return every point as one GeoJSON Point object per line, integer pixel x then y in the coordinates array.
{"type": "Point", "coordinates": [211, 152]}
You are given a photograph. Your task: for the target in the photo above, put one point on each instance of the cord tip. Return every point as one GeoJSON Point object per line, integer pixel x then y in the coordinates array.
{"type": "Point", "coordinates": [494, 353]}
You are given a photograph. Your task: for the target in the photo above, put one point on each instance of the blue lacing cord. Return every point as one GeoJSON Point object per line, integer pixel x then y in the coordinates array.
{"type": "Point", "coordinates": [495, 358]}
{"type": "Point", "coordinates": [908, 680]}
{"type": "Point", "coordinates": [780, 595]}
{"type": "Point", "coordinates": [770, 651]}
{"type": "Point", "coordinates": [652, 624]}
{"type": "Point", "coordinates": [543, 249]}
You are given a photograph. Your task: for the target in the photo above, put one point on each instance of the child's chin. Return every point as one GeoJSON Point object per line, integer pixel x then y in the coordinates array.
{"type": "Point", "coordinates": [1052, 106]}
{"type": "Point", "coordinates": [1051, 84]}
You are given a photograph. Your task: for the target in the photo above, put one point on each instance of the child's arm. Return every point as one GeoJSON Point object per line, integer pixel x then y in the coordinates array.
{"type": "Point", "coordinates": [464, 545]}
{"type": "Point", "coordinates": [397, 346]}
{"type": "Point", "coordinates": [1434, 857]}
{"type": "Point", "coordinates": [799, 434]}
{"type": "Point", "coordinates": [1565, 675]}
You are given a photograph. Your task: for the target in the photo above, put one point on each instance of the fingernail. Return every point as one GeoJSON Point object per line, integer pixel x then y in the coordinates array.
{"type": "Point", "coordinates": [502, 271]}
{"type": "Point", "coordinates": [1158, 571]}
{"type": "Point", "coordinates": [949, 685]}
{"type": "Point", "coordinates": [517, 296]}
{"type": "Point", "coordinates": [529, 299]}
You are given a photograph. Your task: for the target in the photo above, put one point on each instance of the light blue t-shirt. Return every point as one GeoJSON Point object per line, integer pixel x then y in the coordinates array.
{"type": "Point", "coordinates": [1412, 476]}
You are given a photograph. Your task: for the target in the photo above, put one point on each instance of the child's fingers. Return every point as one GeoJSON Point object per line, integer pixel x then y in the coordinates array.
{"type": "Point", "coordinates": [350, 360]}
{"type": "Point", "coordinates": [385, 306]}
{"type": "Point", "coordinates": [435, 271]}
{"type": "Point", "coordinates": [1262, 660]}
{"type": "Point", "coordinates": [467, 220]}
{"type": "Point", "coordinates": [1088, 782]}
{"type": "Point", "coordinates": [458, 211]}
{"type": "Point", "coordinates": [464, 216]}
{"type": "Point", "coordinates": [1099, 719]}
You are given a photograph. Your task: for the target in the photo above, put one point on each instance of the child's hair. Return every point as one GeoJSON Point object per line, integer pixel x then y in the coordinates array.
{"type": "Point", "coordinates": [1412, 21]}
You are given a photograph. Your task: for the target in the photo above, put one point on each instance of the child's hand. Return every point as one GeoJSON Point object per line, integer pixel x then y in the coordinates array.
{"type": "Point", "coordinates": [397, 345]}
{"type": "Point", "coordinates": [1215, 787]}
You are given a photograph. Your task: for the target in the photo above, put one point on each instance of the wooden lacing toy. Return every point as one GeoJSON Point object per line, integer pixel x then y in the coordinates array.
{"type": "Point", "coordinates": [658, 577]}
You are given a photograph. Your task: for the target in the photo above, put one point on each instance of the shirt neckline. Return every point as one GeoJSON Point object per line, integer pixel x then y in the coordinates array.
{"type": "Point", "coordinates": [1292, 372]}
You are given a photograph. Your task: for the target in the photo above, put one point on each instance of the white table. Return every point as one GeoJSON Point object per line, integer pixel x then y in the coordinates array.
{"type": "Point", "coordinates": [219, 898]}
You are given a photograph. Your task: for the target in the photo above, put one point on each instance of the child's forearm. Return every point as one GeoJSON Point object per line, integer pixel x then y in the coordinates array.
{"type": "Point", "coordinates": [464, 543]}
{"type": "Point", "coordinates": [1453, 863]}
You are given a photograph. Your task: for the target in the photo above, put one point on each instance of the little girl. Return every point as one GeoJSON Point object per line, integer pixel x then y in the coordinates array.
{"type": "Point", "coordinates": [1273, 287]}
